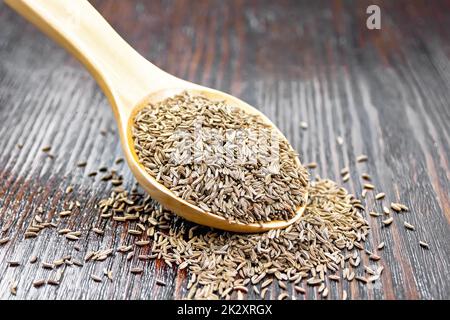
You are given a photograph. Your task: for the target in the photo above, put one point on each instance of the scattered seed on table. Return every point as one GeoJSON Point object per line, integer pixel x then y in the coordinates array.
{"type": "Point", "coordinates": [30, 234]}
{"type": "Point", "coordinates": [379, 196]}
{"type": "Point", "coordinates": [304, 125]}
{"type": "Point", "coordinates": [381, 246]}
{"type": "Point", "coordinates": [142, 243]}
{"type": "Point", "coordinates": [106, 177]}
{"type": "Point", "coordinates": [380, 270]}
{"type": "Point", "coordinates": [101, 257]}
{"type": "Point", "coordinates": [409, 226]}
{"type": "Point", "coordinates": [373, 278]}
{"type": "Point", "coordinates": [98, 231]}
{"type": "Point", "coordinates": [368, 186]}
{"type": "Point", "coordinates": [351, 276]}
{"type": "Point", "coordinates": [7, 225]}
{"type": "Point", "coordinates": [299, 289]}
{"type": "Point", "coordinates": [96, 278]}
{"type": "Point", "coordinates": [325, 293]}
{"type": "Point", "coordinates": [64, 231]}
{"type": "Point", "coordinates": [77, 263]}
{"type": "Point", "coordinates": [283, 296]}
{"type": "Point", "coordinates": [89, 255]}
{"type": "Point", "coordinates": [158, 239]}
{"type": "Point", "coordinates": [13, 263]}
{"type": "Point", "coordinates": [361, 279]}
{"type": "Point", "coordinates": [69, 189]}
{"type": "Point", "coordinates": [374, 257]}
{"type": "Point", "coordinates": [68, 262]}
{"type": "Point", "coordinates": [366, 176]}
{"type": "Point", "coordinates": [134, 232]}
{"type": "Point", "coordinates": [374, 214]}
{"type": "Point", "coordinates": [321, 288]}
{"type": "Point", "coordinates": [424, 245]}
{"type": "Point", "coordinates": [118, 160]}
{"type": "Point", "coordinates": [162, 283]}
{"type": "Point", "coordinates": [46, 148]}
{"type": "Point", "coordinates": [361, 158]}
{"type": "Point", "coordinates": [53, 282]}
{"type": "Point", "coordinates": [334, 277]}
{"type": "Point", "coordinates": [116, 182]}
{"type": "Point", "coordinates": [72, 237]}
{"type": "Point", "coordinates": [344, 171]}
{"type": "Point", "coordinates": [33, 229]}
{"type": "Point", "coordinates": [13, 288]}
{"type": "Point", "coordinates": [136, 270]}
{"type": "Point", "coordinates": [4, 240]}
{"type": "Point", "coordinates": [369, 270]}
{"type": "Point", "coordinates": [386, 210]}
{"type": "Point", "coordinates": [58, 262]}
{"type": "Point", "coordinates": [388, 221]}
{"type": "Point", "coordinates": [256, 290]}
{"type": "Point", "coordinates": [263, 293]}
{"type": "Point", "coordinates": [346, 177]}
{"type": "Point", "coordinates": [266, 283]}
{"type": "Point", "coordinates": [339, 140]}
{"type": "Point", "coordinates": [395, 207]}
{"type": "Point", "coordinates": [314, 281]}
{"type": "Point", "coordinates": [124, 249]}
{"type": "Point", "coordinates": [81, 164]}
{"type": "Point", "coordinates": [344, 295]}
{"type": "Point", "coordinates": [38, 283]}
{"type": "Point", "coordinates": [65, 213]}
{"type": "Point", "coordinates": [363, 193]}
{"type": "Point", "coordinates": [119, 189]}
{"type": "Point", "coordinates": [311, 165]}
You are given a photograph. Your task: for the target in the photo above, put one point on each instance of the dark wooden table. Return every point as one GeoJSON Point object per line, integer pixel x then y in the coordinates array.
{"type": "Point", "coordinates": [386, 92]}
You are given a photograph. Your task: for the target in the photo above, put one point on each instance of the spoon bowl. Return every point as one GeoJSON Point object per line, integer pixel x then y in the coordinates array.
{"type": "Point", "coordinates": [130, 83]}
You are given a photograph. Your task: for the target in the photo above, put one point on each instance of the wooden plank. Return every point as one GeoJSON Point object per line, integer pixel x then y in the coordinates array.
{"type": "Point", "coordinates": [385, 92]}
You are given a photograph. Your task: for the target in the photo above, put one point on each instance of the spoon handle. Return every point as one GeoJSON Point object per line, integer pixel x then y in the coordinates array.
{"type": "Point", "coordinates": [122, 73]}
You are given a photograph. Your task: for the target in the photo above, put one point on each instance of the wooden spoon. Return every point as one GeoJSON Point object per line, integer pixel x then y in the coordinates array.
{"type": "Point", "coordinates": [129, 81]}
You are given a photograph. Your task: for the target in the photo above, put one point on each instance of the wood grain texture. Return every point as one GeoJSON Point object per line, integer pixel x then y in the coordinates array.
{"type": "Point", "coordinates": [386, 92]}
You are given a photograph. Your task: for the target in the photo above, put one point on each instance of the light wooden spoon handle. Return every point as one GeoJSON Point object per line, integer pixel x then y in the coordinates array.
{"type": "Point", "coordinates": [122, 73]}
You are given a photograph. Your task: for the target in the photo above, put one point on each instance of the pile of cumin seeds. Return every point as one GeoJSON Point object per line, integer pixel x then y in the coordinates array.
{"type": "Point", "coordinates": [220, 158]}
{"type": "Point", "coordinates": [325, 241]}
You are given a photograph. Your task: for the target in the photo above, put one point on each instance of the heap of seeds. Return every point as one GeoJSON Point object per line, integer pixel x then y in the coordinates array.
{"type": "Point", "coordinates": [222, 262]}
{"type": "Point", "coordinates": [220, 158]}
